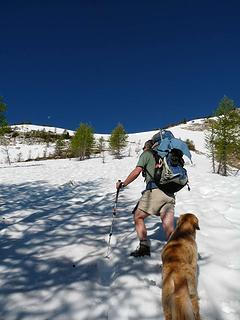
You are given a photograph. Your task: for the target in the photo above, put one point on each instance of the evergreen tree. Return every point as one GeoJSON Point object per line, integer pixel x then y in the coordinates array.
{"type": "Point", "coordinates": [225, 106]}
{"type": "Point", "coordinates": [82, 142]}
{"type": "Point", "coordinates": [60, 147]}
{"type": "Point", "coordinates": [101, 148]}
{"type": "Point", "coordinates": [101, 145]}
{"type": "Point", "coordinates": [118, 140]}
{"type": "Point", "coordinates": [225, 134]}
{"type": "Point", "coordinates": [3, 121]}
{"type": "Point", "coordinates": [65, 134]}
{"type": "Point", "coordinates": [191, 145]}
{"type": "Point", "coordinates": [4, 128]}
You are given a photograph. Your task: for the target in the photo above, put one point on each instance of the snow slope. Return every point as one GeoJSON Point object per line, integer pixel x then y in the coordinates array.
{"type": "Point", "coordinates": [55, 221]}
{"type": "Point", "coordinates": [33, 127]}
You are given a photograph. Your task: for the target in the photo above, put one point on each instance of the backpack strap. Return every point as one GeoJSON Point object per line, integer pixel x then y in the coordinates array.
{"type": "Point", "coordinates": [151, 184]}
{"type": "Point", "coordinates": [156, 157]}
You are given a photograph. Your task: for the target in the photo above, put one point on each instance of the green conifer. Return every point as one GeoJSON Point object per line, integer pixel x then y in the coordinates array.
{"type": "Point", "coordinates": [118, 140]}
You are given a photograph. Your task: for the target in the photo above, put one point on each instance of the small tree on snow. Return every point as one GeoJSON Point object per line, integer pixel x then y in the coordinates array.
{"type": "Point", "coordinates": [4, 128]}
{"type": "Point", "coordinates": [59, 147]}
{"type": "Point", "coordinates": [3, 121]}
{"type": "Point", "coordinates": [224, 141]}
{"type": "Point", "coordinates": [82, 142]}
{"type": "Point", "coordinates": [118, 140]}
{"type": "Point", "coordinates": [101, 148]}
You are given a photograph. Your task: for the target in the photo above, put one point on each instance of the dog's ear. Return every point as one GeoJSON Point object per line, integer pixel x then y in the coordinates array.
{"type": "Point", "coordinates": [196, 223]}
{"type": "Point", "coordinates": [180, 219]}
{"type": "Point", "coordinates": [197, 226]}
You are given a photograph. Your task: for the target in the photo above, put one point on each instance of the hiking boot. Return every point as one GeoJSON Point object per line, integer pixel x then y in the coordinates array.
{"type": "Point", "coordinates": [142, 250]}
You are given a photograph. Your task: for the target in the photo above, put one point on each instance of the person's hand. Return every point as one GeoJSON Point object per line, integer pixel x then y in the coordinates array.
{"type": "Point", "coordinates": [119, 184]}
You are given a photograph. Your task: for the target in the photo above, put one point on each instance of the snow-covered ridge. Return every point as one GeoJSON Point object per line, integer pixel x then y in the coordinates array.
{"type": "Point", "coordinates": [32, 127]}
{"type": "Point", "coordinates": [20, 150]}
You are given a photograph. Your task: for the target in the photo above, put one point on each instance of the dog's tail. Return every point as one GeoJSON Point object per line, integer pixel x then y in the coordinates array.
{"type": "Point", "coordinates": [182, 308]}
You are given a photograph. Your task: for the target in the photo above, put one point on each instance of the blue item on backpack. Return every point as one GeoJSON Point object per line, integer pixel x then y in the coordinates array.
{"type": "Point", "coordinates": [170, 175]}
{"type": "Point", "coordinates": [166, 142]}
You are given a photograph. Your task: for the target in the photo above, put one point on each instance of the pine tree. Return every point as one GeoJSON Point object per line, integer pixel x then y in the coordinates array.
{"type": "Point", "coordinates": [4, 128]}
{"type": "Point", "coordinates": [83, 141]}
{"type": "Point", "coordinates": [118, 140]}
{"type": "Point", "coordinates": [60, 147]}
{"type": "Point", "coordinates": [101, 145]}
{"type": "Point", "coordinates": [227, 139]}
{"type": "Point", "coordinates": [101, 148]}
{"type": "Point", "coordinates": [3, 121]}
{"type": "Point", "coordinates": [225, 106]}
{"type": "Point", "coordinates": [226, 134]}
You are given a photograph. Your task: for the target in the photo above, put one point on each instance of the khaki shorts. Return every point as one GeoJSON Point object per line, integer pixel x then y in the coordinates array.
{"type": "Point", "coordinates": [156, 202]}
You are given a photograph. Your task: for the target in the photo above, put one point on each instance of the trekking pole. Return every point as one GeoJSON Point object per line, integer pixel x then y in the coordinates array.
{"type": "Point", "coordinates": [113, 217]}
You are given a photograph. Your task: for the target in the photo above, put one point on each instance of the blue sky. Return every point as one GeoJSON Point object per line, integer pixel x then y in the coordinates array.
{"type": "Point", "coordinates": [145, 64]}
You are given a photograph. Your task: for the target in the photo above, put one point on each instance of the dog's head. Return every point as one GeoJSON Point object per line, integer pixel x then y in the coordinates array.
{"type": "Point", "coordinates": [188, 222]}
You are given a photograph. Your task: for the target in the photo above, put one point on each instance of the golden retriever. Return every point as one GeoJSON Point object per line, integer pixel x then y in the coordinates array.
{"type": "Point", "coordinates": [179, 271]}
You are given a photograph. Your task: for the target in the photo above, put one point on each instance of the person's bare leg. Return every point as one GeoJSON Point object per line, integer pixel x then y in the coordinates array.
{"type": "Point", "coordinates": [141, 229]}
{"type": "Point", "coordinates": [168, 222]}
{"type": "Point", "coordinates": [144, 245]}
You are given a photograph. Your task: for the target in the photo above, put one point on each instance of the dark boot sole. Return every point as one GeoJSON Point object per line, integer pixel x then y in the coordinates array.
{"type": "Point", "coordinates": [136, 255]}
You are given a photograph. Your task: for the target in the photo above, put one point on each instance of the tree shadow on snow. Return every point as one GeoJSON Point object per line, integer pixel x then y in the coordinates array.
{"type": "Point", "coordinates": [51, 240]}
{"type": "Point", "coordinates": [53, 245]}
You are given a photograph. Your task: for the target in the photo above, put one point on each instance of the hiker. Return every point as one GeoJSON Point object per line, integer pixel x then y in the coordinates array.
{"type": "Point", "coordinates": [152, 202]}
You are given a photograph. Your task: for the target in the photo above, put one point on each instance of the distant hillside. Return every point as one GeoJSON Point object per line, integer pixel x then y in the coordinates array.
{"type": "Point", "coordinates": [31, 127]}
{"type": "Point", "coordinates": [28, 142]}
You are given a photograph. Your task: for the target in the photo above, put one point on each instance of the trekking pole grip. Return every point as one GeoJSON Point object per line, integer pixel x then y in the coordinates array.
{"type": "Point", "coordinates": [118, 189]}
{"type": "Point", "coordinates": [118, 186]}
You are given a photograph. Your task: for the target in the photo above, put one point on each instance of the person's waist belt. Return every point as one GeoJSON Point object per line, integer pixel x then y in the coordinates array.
{"type": "Point", "coordinates": [151, 185]}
